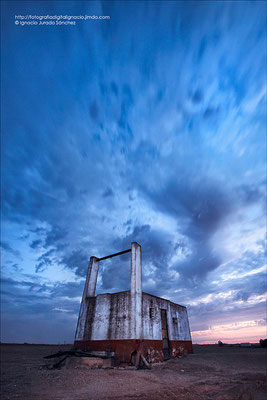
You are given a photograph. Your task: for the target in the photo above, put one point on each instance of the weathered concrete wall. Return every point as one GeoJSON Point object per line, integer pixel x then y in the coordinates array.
{"type": "Point", "coordinates": [183, 325]}
{"type": "Point", "coordinates": [100, 318]}
{"type": "Point", "coordinates": [109, 317]}
{"type": "Point", "coordinates": [152, 324]}
{"type": "Point", "coordinates": [178, 325]}
{"type": "Point", "coordinates": [115, 323]}
{"type": "Point", "coordinates": [109, 326]}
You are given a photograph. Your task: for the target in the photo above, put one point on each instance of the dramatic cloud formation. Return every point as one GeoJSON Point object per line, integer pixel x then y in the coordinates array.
{"type": "Point", "coordinates": [147, 127]}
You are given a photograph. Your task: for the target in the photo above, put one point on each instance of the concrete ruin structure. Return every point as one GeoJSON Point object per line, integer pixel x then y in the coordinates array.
{"type": "Point", "coordinates": [128, 321]}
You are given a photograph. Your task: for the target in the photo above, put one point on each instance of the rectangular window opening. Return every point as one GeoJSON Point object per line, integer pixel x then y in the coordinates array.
{"type": "Point", "coordinates": [151, 312]}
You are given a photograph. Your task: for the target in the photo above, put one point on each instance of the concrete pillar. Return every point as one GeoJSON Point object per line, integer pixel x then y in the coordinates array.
{"type": "Point", "coordinates": [136, 291]}
{"type": "Point", "coordinates": [92, 278]}
{"type": "Point", "coordinates": [88, 291]}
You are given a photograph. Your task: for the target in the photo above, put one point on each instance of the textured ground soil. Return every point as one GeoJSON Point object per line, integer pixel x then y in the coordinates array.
{"type": "Point", "coordinates": [212, 372]}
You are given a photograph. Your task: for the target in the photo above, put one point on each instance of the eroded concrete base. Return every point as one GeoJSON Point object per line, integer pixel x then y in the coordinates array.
{"type": "Point", "coordinates": [125, 349]}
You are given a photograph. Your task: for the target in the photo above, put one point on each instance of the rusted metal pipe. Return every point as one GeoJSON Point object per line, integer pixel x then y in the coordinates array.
{"type": "Point", "coordinates": [114, 255]}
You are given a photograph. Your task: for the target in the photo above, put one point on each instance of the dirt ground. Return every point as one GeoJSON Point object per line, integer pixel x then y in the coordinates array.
{"type": "Point", "coordinates": [212, 372]}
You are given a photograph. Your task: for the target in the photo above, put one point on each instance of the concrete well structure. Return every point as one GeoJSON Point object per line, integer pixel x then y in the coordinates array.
{"type": "Point", "coordinates": [127, 321]}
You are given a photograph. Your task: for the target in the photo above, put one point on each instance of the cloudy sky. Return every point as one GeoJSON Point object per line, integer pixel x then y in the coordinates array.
{"type": "Point", "coordinates": [147, 127]}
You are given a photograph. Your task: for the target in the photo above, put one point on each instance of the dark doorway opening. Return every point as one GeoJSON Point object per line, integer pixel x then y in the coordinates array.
{"type": "Point", "coordinates": [165, 335]}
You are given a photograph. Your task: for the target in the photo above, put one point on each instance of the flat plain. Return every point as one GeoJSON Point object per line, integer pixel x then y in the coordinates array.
{"type": "Point", "coordinates": [211, 373]}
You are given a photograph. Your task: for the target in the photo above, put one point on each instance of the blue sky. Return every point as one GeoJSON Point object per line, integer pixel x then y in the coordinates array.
{"type": "Point", "coordinates": [147, 127]}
